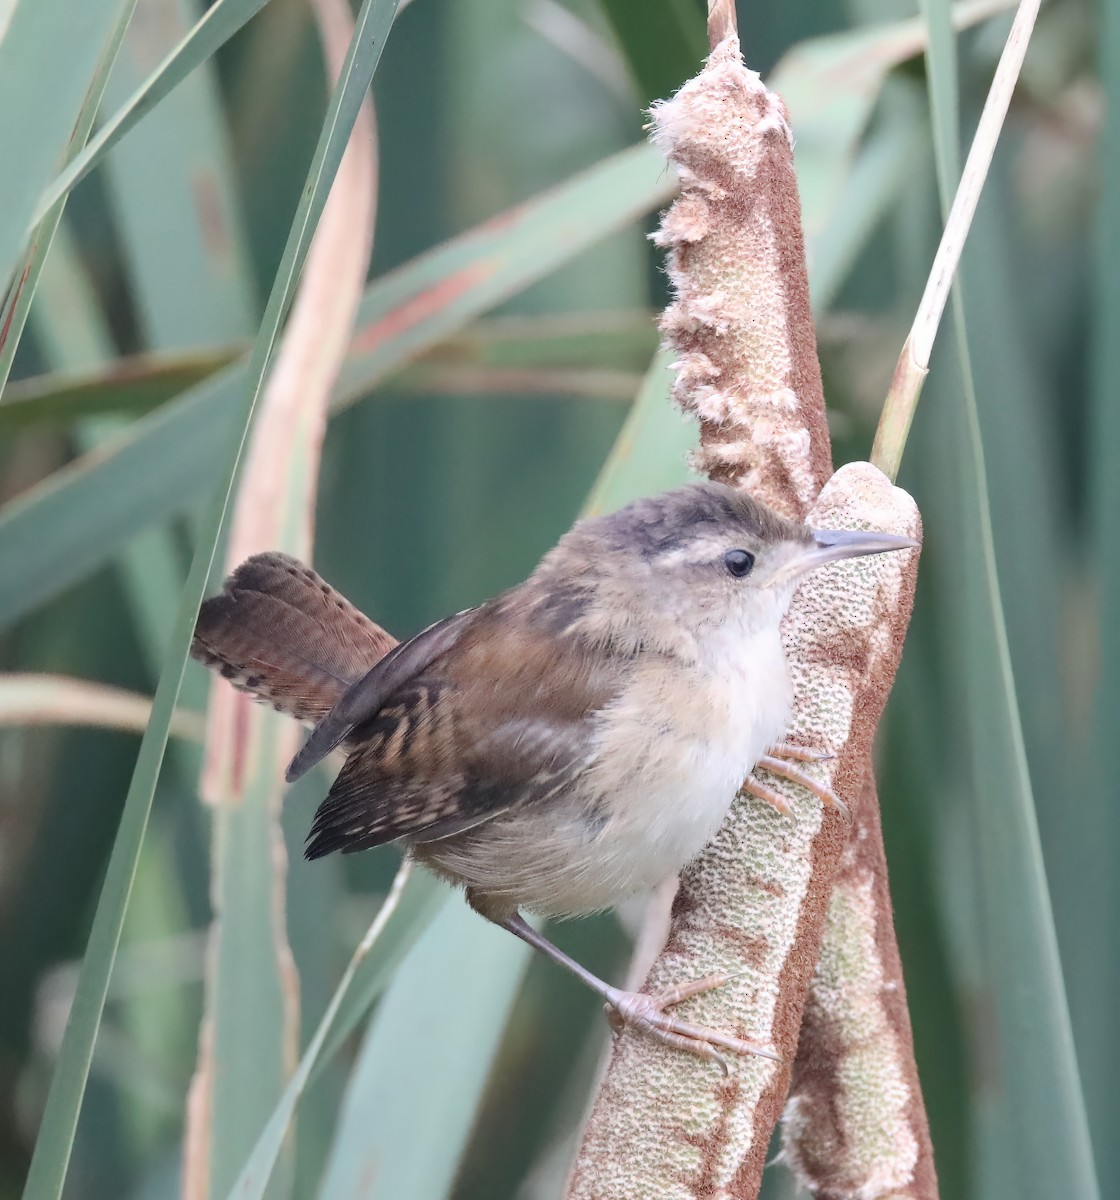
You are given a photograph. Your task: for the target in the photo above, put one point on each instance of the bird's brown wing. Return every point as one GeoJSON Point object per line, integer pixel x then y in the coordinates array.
{"type": "Point", "coordinates": [501, 719]}
{"type": "Point", "coordinates": [365, 698]}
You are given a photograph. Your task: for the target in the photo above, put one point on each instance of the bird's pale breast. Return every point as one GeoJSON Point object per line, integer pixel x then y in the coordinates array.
{"type": "Point", "coordinates": [671, 752]}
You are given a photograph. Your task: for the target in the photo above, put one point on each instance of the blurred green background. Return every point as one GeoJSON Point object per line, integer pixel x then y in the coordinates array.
{"type": "Point", "coordinates": [458, 461]}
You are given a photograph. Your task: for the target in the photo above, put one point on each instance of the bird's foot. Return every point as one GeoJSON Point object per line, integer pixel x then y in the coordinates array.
{"type": "Point", "coordinates": [647, 1013]}
{"type": "Point", "coordinates": [781, 761]}
{"type": "Point", "coordinates": [638, 1009]}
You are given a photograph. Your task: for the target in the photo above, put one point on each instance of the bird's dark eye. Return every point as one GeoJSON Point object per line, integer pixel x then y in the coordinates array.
{"type": "Point", "coordinates": [738, 562]}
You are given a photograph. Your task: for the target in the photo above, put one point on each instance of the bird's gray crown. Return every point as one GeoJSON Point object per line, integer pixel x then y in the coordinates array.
{"type": "Point", "coordinates": [667, 521]}
{"type": "Point", "coordinates": [599, 560]}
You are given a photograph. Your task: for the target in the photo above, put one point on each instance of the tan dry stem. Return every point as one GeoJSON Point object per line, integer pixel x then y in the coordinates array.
{"type": "Point", "coordinates": [246, 745]}
{"type": "Point", "coordinates": [740, 320]}
{"type": "Point", "coordinates": [664, 1126]}
{"type": "Point", "coordinates": [913, 363]}
{"type": "Point", "coordinates": [722, 21]}
{"type": "Point", "coordinates": [41, 699]}
{"type": "Point", "coordinates": [290, 425]}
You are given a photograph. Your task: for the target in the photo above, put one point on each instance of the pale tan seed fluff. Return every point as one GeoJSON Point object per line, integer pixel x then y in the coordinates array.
{"type": "Point", "coordinates": [740, 320]}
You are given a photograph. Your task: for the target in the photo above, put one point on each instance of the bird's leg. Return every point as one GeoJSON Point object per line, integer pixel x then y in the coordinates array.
{"type": "Point", "coordinates": [646, 1013]}
{"type": "Point", "coordinates": [781, 760]}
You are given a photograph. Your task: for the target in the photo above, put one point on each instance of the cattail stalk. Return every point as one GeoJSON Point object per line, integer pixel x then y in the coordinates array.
{"type": "Point", "coordinates": [760, 900]}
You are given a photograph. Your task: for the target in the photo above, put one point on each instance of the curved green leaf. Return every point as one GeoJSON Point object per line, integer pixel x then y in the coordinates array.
{"type": "Point", "coordinates": [17, 303]}
{"type": "Point", "coordinates": [425, 1061]}
{"type": "Point", "coordinates": [1093, 969]}
{"type": "Point", "coordinates": [221, 21]}
{"type": "Point", "coordinates": [56, 1136]}
{"type": "Point", "coordinates": [1035, 1085]}
{"type": "Point", "coordinates": [59, 54]}
{"type": "Point", "coordinates": [409, 908]}
{"type": "Point", "coordinates": [75, 520]}
{"type": "Point", "coordinates": [126, 387]}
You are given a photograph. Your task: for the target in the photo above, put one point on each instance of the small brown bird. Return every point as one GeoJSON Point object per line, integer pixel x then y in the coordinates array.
{"type": "Point", "coordinates": [574, 741]}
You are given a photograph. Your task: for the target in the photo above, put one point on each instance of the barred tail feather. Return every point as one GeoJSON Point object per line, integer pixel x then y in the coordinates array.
{"type": "Point", "coordinates": [282, 634]}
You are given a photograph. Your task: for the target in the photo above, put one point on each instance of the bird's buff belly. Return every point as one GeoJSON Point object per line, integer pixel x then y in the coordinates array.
{"type": "Point", "coordinates": [670, 756]}
{"type": "Point", "coordinates": [583, 856]}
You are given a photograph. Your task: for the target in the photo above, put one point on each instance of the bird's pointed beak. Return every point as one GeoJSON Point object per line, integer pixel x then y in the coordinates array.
{"type": "Point", "coordinates": [831, 545]}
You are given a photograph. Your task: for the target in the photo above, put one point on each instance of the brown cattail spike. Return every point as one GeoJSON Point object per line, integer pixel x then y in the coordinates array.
{"type": "Point", "coordinates": [740, 321]}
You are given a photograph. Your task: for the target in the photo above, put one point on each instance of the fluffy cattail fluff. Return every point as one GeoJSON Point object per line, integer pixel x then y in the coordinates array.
{"type": "Point", "coordinates": [740, 320]}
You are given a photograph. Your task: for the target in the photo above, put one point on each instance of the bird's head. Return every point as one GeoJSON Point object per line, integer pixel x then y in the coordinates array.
{"type": "Point", "coordinates": [686, 561]}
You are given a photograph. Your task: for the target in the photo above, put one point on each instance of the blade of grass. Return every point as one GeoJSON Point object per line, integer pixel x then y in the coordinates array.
{"type": "Point", "coordinates": [69, 327]}
{"type": "Point", "coordinates": [424, 1062]}
{"type": "Point", "coordinates": [412, 902]}
{"type": "Point", "coordinates": [136, 384]}
{"type": "Point", "coordinates": [72, 330]}
{"type": "Point", "coordinates": [1042, 1143]}
{"type": "Point", "coordinates": [17, 303]}
{"type": "Point", "coordinates": [207, 36]}
{"type": "Point", "coordinates": [1095, 974]}
{"type": "Point", "coordinates": [58, 53]}
{"type": "Point", "coordinates": [167, 286]}
{"type": "Point", "coordinates": [91, 508]}
{"type": "Point", "coordinates": [432, 297]}
{"type": "Point", "coordinates": [250, 1018]}
{"type": "Point", "coordinates": [831, 85]}
{"type": "Point", "coordinates": [220, 22]}
{"type": "Point", "coordinates": [1031, 515]}
{"type": "Point", "coordinates": [913, 363]}
{"type": "Point", "coordinates": [423, 897]}
{"type": "Point", "coordinates": [525, 382]}
{"type": "Point", "coordinates": [174, 172]}
{"type": "Point", "coordinates": [650, 453]}
{"type": "Point", "coordinates": [126, 387]}
{"type": "Point", "coordinates": [872, 186]}
{"type": "Point", "coordinates": [53, 1146]}
{"type": "Point", "coordinates": [67, 526]}
{"type": "Point", "coordinates": [607, 338]}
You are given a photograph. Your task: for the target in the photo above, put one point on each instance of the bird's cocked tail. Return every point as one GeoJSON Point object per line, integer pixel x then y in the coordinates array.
{"type": "Point", "coordinates": [281, 633]}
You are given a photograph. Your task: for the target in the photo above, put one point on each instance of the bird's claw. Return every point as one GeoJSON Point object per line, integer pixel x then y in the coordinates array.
{"type": "Point", "coordinates": [781, 761]}
{"type": "Point", "coordinates": [647, 1013]}
{"type": "Point", "coordinates": [797, 753]}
